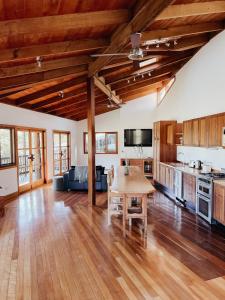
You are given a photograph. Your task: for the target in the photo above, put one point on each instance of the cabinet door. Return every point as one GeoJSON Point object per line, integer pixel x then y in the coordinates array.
{"type": "Point", "coordinates": [195, 132]}
{"type": "Point", "coordinates": [171, 183]}
{"type": "Point", "coordinates": [187, 133]}
{"type": "Point", "coordinates": [163, 174]}
{"type": "Point", "coordinates": [219, 203]}
{"type": "Point", "coordinates": [212, 123]}
{"type": "Point", "coordinates": [221, 125]}
{"type": "Point", "coordinates": [202, 132]}
{"type": "Point", "coordinates": [189, 189]}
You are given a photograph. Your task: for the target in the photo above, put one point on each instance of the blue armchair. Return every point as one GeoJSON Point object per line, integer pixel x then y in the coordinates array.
{"type": "Point", "coordinates": [70, 183]}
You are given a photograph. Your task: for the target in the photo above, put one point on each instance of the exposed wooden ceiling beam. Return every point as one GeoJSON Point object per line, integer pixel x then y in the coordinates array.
{"type": "Point", "coordinates": [140, 21]}
{"type": "Point", "coordinates": [63, 22]}
{"type": "Point", "coordinates": [192, 9]}
{"type": "Point", "coordinates": [45, 66]}
{"type": "Point", "coordinates": [181, 31]}
{"type": "Point", "coordinates": [41, 76]}
{"type": "Point", "coordinates": [52, 49]}
{"type": "Point", "coordinates": [106, 89]}
{"type": "Point", "coordinates": [137, 95]}
{"type": "Point", "coordinates": [132, 90]}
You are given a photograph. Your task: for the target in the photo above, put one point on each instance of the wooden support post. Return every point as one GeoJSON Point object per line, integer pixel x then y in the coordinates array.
{"type": "Point", "coordinates": [91, 140]}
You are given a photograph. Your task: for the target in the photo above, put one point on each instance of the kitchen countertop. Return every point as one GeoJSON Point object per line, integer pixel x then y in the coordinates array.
{"type": "Point", "coordinates": [183, 168]}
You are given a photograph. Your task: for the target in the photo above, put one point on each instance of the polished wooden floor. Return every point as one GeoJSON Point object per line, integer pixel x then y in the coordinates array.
{"type": "Point", "coordinates": [54, 246]}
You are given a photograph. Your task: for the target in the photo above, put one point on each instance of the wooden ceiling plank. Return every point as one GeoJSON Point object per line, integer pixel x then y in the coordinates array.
{"type": "Point", "coordinates": [143, 18]}
{"type": "Point", "coordinates": [191, 9]}
{"type": "Point", "coordinates": [41, 76]}
{"type": "Point", "coordinates": [65, 22]}
{"type": "Point", "coordinates": [45, 91]}
{"type": "Point", "coordinates": [181, 31]}
{"type": "Point", "coordinates": [52, 49]}
{"type": "Point", "coordinates": [45, 66]}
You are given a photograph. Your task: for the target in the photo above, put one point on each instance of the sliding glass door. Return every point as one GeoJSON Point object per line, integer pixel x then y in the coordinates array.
{"type": "Point", "coordinates": [30, 155]}
{"type": "Point", "coordinates": [61, 141]}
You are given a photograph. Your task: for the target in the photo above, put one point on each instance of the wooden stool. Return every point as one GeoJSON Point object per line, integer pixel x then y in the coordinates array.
{"type": "Point", "coordinates": [135, 212]}
{"type": "Point", "coordinates": [115, 200]}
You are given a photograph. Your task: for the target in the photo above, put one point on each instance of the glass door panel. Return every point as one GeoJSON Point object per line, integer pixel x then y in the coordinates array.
{"type": "Point", "coordinates": [30, 150]}
{"type": "Point", "coordinates": [61, 152]}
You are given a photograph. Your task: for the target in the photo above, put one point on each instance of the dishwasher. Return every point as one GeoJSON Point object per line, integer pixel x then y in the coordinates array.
{"type": "Point", "coordinates": [178, 186]}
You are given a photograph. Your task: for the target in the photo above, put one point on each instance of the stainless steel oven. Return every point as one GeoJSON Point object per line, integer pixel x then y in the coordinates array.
{"type": "Point", "coordinates": [204, 187]}
{"type": "Point", "coordinates": [204, 197]}
{"type": "Point", "coordinates": [204, 207]}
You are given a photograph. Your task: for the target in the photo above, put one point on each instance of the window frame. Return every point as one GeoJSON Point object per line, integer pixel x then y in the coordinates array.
{"type": "Point", "coordinates": [13, 164]}
{"type": "Point", "coordinates": [85, 147]}
{"type": "Point", "coordinates": [69, 151]}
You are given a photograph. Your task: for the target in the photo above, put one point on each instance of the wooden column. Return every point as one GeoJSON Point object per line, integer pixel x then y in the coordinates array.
{"type": "Point", "coordinates": [91, 140]}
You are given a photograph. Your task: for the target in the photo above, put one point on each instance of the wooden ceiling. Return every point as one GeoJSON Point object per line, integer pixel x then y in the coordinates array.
{"type": "Point", "coordinates": [63, 34]}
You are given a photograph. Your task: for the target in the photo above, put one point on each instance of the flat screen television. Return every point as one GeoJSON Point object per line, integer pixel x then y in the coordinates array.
{"type": "Point", "coordinates": [138, 137]}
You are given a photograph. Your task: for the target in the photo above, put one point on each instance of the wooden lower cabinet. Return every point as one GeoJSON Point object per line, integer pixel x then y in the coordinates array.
{"type": "Point", "coordinates": [189, 189]}
{"type": "Point", "coordinates": [166, 177]}
{"type": "Point", "coordinates": [219, 203]}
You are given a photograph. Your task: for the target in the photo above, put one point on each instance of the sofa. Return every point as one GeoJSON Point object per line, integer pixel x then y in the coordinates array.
{"type": "Point", "coordinates": [71, 183]}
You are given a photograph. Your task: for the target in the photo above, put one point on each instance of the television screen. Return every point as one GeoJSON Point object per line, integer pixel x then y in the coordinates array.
{"type": "Point", "coordinates": [138, 137]}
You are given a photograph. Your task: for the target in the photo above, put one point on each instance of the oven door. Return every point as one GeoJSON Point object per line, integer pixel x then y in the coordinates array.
{"type": "Point", "coordinates": [204, 189]}
{"type": "Point", "coordinates": [204, 207]}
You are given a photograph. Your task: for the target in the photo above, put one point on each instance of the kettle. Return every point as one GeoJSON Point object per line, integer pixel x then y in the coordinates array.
{"type": "Point", "coordinates": [198, 164]}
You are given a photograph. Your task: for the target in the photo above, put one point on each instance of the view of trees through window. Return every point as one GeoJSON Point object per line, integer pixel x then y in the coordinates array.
{"type": "Point", "coordinates": [106, 142]}
{"type": "Point", "coordinates": [7, 156]}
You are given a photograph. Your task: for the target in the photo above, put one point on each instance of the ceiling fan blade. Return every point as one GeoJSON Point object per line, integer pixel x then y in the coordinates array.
{"type": "Point", "coordinates": [109, 54]}
{"type": "Point", "coordinates": [135, 39]}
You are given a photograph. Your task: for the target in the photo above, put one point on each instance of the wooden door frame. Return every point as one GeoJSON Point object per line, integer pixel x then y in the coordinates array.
{"type": "Point", "coordinates": [44, 152]}
{"type": "Point", "coordinates": [69, 146]}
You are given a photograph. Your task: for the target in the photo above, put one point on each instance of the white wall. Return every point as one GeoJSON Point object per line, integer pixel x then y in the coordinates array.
{"type": "Point", "coordinates": [21, 117]}
{"type": "Point", "coordinates": [135, 114]}
{"type": "Point", "coordinates": [199, 91]}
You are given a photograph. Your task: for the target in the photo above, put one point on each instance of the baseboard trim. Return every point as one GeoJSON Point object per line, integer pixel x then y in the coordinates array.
{"type": "Point", "coordinates": [4, 200]}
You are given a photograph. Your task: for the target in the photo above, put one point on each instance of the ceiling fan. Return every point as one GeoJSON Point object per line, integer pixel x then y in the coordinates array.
{"type": "Point", "coordinates": [136, 53]}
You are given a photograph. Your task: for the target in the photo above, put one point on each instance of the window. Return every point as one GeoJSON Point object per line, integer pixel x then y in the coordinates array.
{"type": "Point", "coordinates": [7, 146]}
{"type": "Point", "coordinates": [106, 142]}
{"type": "Point", "coordinates": [61, 146]}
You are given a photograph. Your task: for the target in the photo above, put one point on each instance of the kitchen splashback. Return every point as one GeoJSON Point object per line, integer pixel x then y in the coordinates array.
{"type": "Point", "coordinates": [214, 155]}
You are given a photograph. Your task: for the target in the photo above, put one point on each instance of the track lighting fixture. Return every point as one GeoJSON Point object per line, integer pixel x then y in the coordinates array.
{"type": "Point", "coordinates": [175, 42]}
{"type": "Point", "coordinates": [128, 81]}
{"type": "Point", "coordinates": [134, 79]}
{"type": "Point", "coordinates": [149, 74]}
{"type": "Point", "coordinates": [39, 61]}
{"type": "Point", "coordinates": [142, 75]}
{"type": "Point", "coordinates": [167, 44]}
{"type": "Point", "coordinates": [147, 48]}
{"type": "Point", "coordinates": [157, 46]}
{"type": "Point", "coordinates": [61, 94]}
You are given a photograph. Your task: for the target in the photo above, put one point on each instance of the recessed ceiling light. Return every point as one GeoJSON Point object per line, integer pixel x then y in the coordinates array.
{"type": "Point", "coordinates": [39, 61]}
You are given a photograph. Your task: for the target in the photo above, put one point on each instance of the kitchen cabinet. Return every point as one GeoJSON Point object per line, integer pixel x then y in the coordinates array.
{"type": "Point", "coordinates": [219, 203]}
{"type": "Point", "coordinates": [189, 189]}
{"type": "Point", "coordinates": [195, 132]}
{"type": "Point", "coordinates": [164, 145]}
{"type": "Point", "coordinates": [203, 132]}
{"type": "Point", "coordinates": [167, 176]}
{"type": "Point", "coordinates": [221, 125]}
{"type": "Point", "coordinates": [187, 133]}
{"type": "Point", "coordinates": [212, 126]}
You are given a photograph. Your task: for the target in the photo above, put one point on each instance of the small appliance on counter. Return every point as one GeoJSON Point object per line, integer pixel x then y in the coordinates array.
{"type": "Point", "coordinates": [198, 164]}
{"type": "Point", "coordinates": [206, 168]}
{"type": "Point", "coordinates": [191, 164]}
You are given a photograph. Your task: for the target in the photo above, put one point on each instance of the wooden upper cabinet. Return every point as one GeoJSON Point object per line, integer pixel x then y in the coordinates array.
{"type": "Point", "coordinates": [219, 203]}
{"type": "Point", "coordinates": [203, 142]}
{"type": "Point", "coordinates": [212, 127]}
{"type": "Point", "coordinates": [187, 133]}
{"type": "Point", "coordinates": [195, 132]}
{"type": "Point", "coordinates": [221, 125]}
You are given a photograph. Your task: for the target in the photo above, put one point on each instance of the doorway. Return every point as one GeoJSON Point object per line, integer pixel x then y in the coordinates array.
{"type": "Point", "coordinates": [30, 158]}
{"type": "Point", "coordinates": [61, 152]}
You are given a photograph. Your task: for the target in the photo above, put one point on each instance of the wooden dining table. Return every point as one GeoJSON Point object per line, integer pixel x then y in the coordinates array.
{"type": "Point", "coordinates": [133, 185]}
